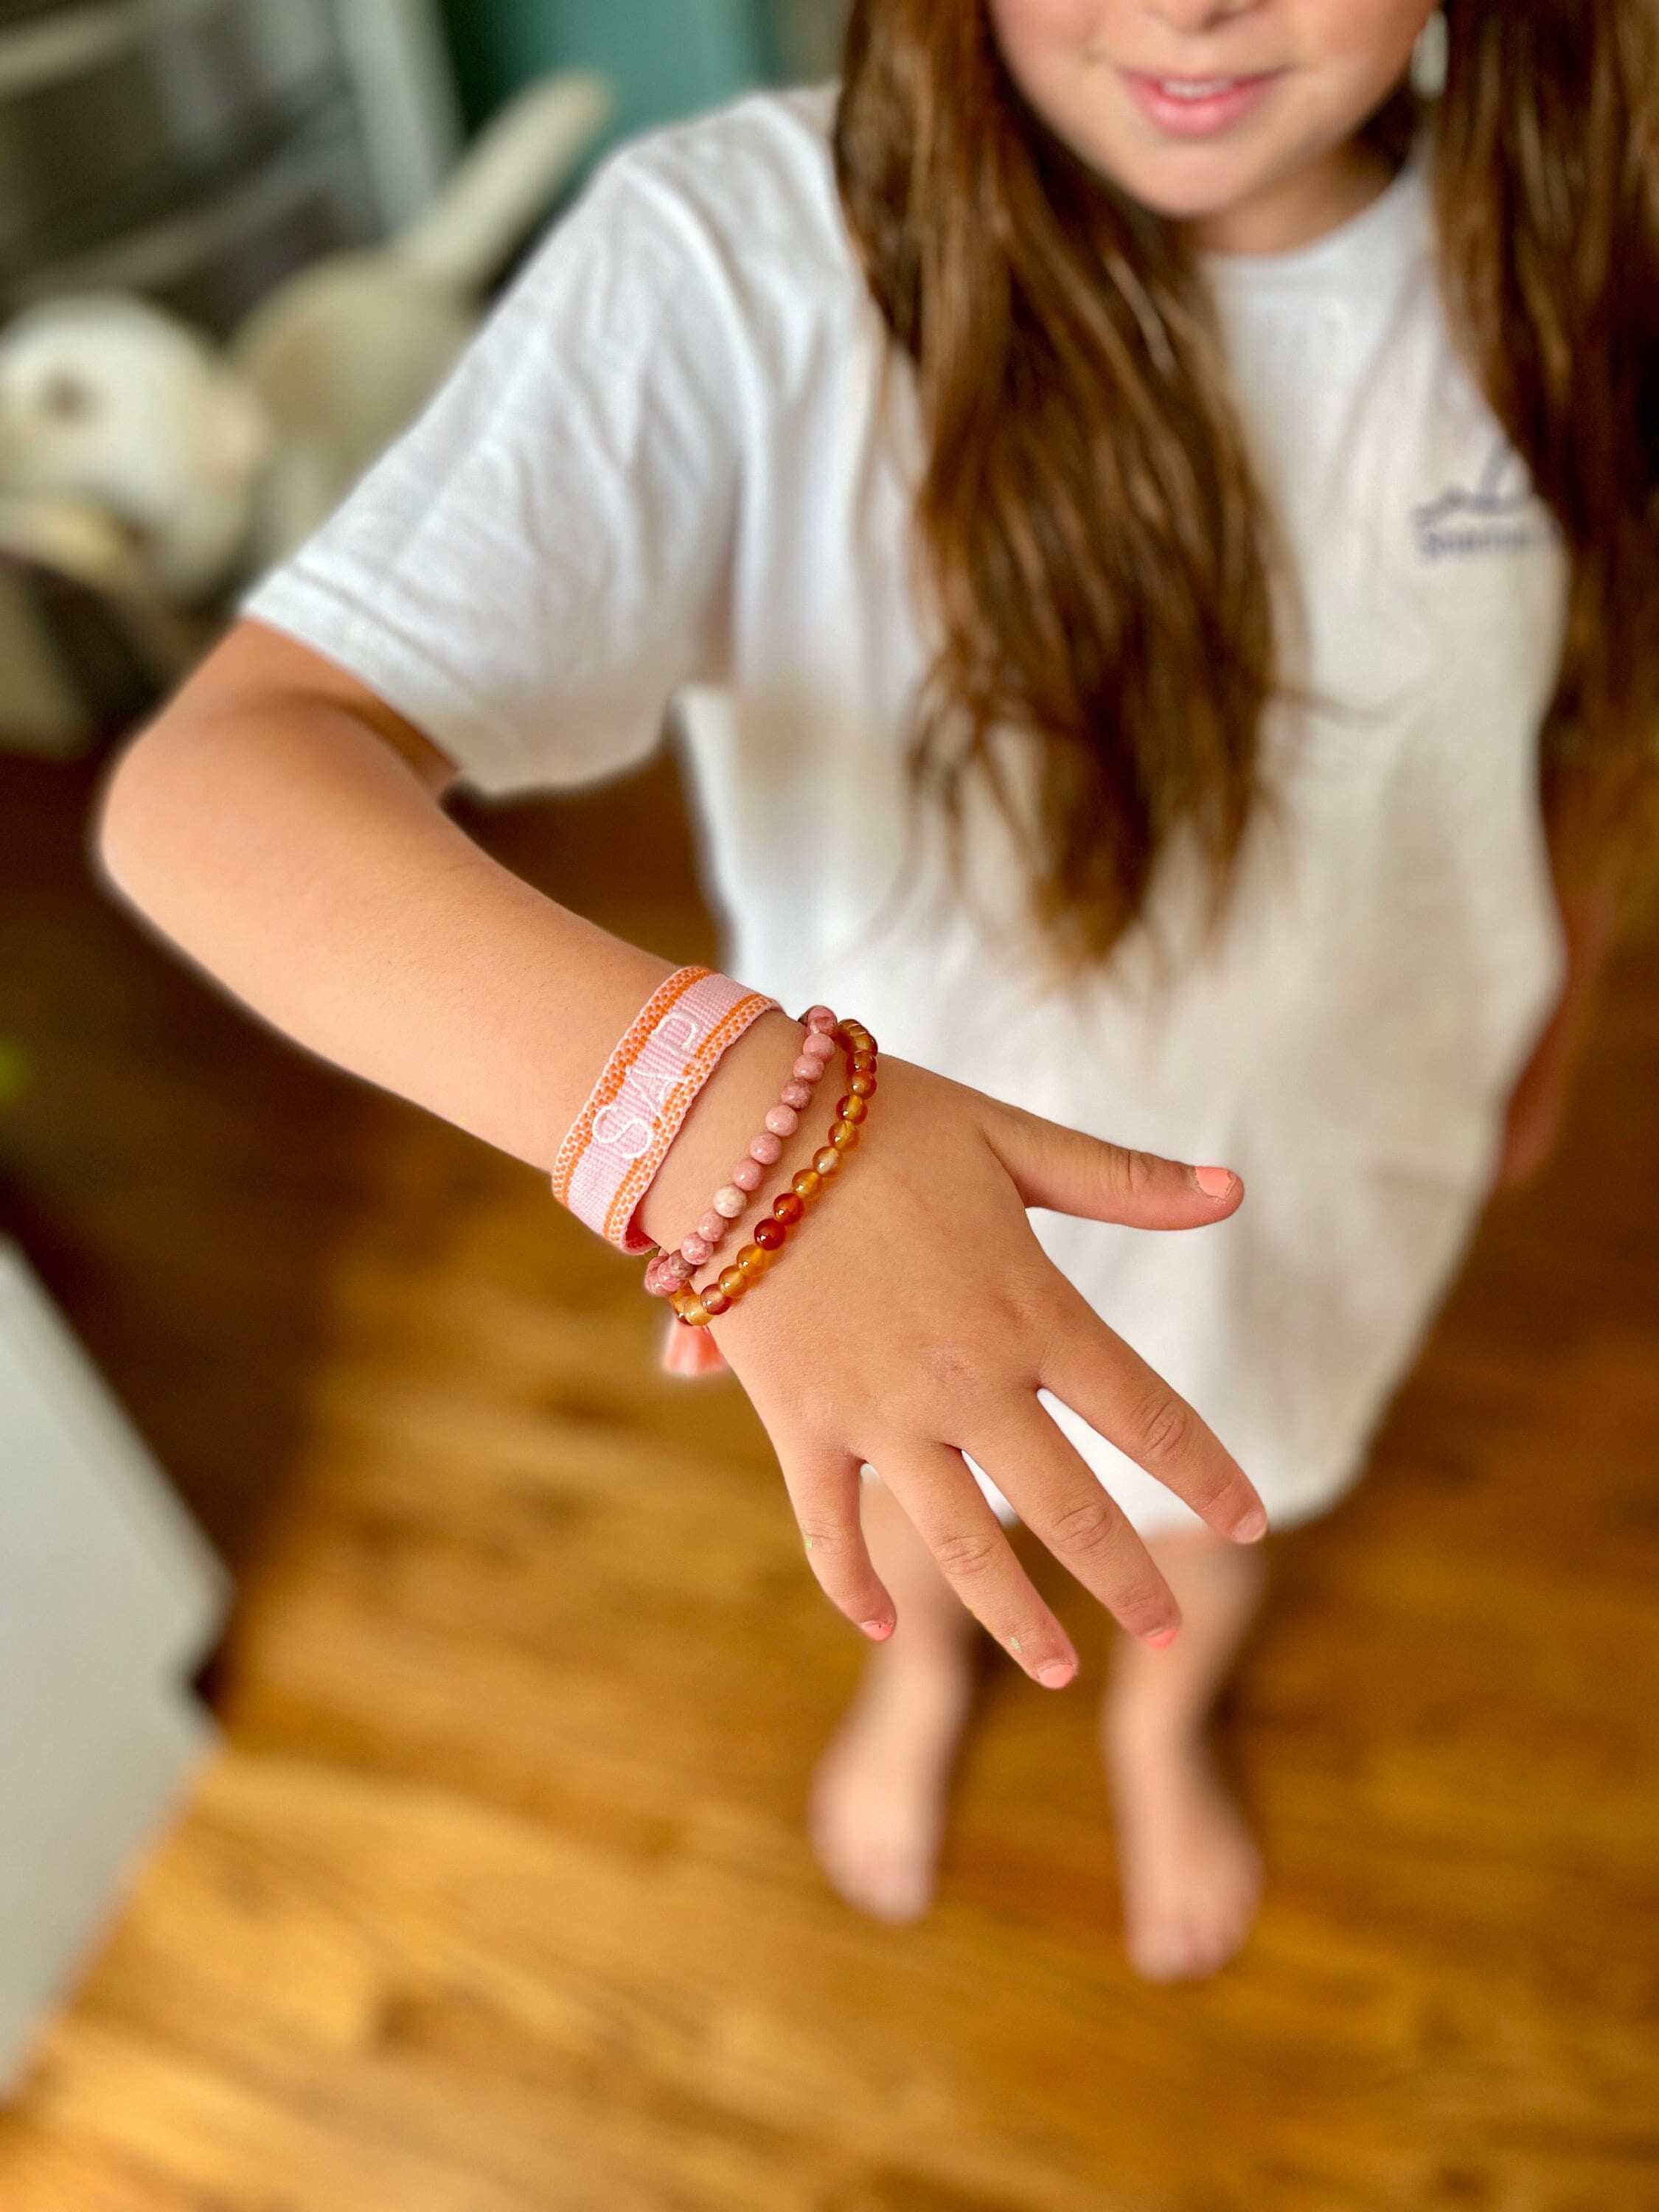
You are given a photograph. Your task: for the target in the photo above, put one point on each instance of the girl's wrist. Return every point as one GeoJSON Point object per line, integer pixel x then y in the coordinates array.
{"type": "Point", "coordinates": [731, 1106]}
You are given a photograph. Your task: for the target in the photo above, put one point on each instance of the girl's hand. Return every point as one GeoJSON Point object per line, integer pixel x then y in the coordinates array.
{"type": "Point", "coordinates": [914, 1317]}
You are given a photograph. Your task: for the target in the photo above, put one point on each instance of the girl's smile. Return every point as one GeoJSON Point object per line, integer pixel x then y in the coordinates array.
{"type": "Point", "coordinates": [1199, 108]}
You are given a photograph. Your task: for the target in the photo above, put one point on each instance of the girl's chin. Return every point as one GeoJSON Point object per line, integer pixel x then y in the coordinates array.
{"type": "Point", "coordinates": [1187, 191]}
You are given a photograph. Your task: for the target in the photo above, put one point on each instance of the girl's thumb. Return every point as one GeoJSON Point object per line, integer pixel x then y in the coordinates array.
{"type": "Point", "coordinates": [1069, 1173]}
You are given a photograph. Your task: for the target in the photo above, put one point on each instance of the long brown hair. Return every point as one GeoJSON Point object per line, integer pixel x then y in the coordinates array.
{"type": "Point", "coordinates": [1095, 544]}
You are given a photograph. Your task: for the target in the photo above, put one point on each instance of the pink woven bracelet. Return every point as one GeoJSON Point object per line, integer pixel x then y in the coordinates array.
{"type": "Point", "coordinates": [615, 1146]}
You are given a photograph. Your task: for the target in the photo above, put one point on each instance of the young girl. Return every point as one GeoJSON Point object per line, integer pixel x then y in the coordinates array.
{"type": "Point", "coordinates": [1148, 524]}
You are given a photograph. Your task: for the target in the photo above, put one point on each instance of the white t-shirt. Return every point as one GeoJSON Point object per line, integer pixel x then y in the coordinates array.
{"type": "Point", "coordinates": [679, 467]}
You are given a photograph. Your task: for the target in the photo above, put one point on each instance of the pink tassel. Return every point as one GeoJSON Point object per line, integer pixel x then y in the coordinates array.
{"type": "Point", "coordinates": [690, 1353]}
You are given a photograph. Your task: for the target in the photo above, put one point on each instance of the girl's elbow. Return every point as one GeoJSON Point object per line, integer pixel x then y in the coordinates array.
{"type": "Point", "coordinates": [122, 830]}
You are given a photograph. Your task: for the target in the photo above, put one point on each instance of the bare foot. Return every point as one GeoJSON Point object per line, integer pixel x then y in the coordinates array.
{"type": "Point", "coordinates": [1187, 1865]}
{"type": "Point", "coordinates": [877, 1815]}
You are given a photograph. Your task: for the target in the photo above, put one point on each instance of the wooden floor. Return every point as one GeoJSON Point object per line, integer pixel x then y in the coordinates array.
{"type": "Point", "coordinates": [497, 1900]}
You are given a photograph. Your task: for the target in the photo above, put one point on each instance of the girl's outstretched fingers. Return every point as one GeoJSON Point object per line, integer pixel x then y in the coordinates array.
{"type": "Point", "coordinates": [1068, 1172]}
{"type": "Point", "coordinates": [1091, 1369]}
{"type": "Point", "coordinates": [949, 1513]}
{"type": "Point", "coordinates": [1065, 1505]}
{"type": "Point", "coordinates": [824, 1488]}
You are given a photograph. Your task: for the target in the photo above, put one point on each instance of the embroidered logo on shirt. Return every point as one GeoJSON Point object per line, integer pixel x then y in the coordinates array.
{"type": "Point", "coordinates": [1502, 514]}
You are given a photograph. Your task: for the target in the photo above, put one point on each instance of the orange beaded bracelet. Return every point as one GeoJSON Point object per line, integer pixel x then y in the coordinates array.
{"type": "Point", "coordinates": [695, 1309]}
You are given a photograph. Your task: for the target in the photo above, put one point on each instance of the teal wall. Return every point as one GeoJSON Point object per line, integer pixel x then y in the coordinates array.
{"type": "Point", "coordinates": [667, 58]}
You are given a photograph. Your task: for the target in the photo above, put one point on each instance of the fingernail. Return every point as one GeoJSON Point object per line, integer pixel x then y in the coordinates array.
{"type": "Point", "coordinates": [1252, 1529]}
{"type": "Point", "coordinates": [876, 1630]}
{"type": "Point", "coordinates": [1160, 1637]}
{"type": "Point", "coordinates": [1056, 1674]}
{"type": "Point", "coordinates": [1215, 1182]}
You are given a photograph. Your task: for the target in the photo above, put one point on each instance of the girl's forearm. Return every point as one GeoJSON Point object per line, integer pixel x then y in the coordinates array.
{"type": "Point", "coordinates": [274, 835]}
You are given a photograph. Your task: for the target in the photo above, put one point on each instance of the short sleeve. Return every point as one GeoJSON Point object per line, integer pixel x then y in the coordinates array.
{"type": "Point", "coordinates": [537, 567]}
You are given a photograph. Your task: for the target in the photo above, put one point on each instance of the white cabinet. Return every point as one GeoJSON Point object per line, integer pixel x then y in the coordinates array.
{"type": "Point", "coordinates": [109, 1601]}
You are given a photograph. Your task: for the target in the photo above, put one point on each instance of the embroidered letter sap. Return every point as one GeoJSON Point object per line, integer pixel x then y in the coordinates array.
{"type": "Point", "coordinates": [628, 1126]}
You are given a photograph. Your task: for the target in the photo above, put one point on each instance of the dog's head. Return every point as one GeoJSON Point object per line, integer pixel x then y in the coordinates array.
{"type": "Point", "coordinates": [108, 400]}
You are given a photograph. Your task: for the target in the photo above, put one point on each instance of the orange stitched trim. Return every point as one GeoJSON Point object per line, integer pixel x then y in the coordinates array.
{"type": "Point", "coordinates": [675, 1107]}
{"type": "Point", "coordinates": [666, 995]}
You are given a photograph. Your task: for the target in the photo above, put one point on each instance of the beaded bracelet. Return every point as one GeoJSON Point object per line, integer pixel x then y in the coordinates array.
{"type": "Point", "coordinates": [695, 1309]}
{"type": "Point", "coordinates": [672, 1271]}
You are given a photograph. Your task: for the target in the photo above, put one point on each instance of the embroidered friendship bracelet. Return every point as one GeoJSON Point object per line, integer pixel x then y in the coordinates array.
{"type": "Point", "coordinates": [618, 1142]}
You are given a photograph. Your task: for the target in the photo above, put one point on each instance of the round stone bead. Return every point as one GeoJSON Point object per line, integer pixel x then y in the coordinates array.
{"type": "Point", "coordinates": [843, 1136]}
{"type": "Point", "coordinates": [698, 1249]}
{"type": "Point", "coordinates": [807, 1184]}
{"type": "Point", "coordinates": [864, 1063]}
{"type": "Point", "coordinates": [863, 1087]}
{"type": "Point", "coordinates": [753, 1262]}
{"type": "Point", "coordinates": [851, 1108]}
{"type": "Point", "coordinates": [747, 1175]}
{"type": "Point", "coordinates": [733, 1282]}
{"type": "Point", "coordinates": [782, 1121]}
{"type": "Point", "coordinates": [697, 1315]}
{"type": "Point", "coordinates": [787, 1209]}
{"type": "Point", "coordinates": [682, 1300]}
{"type": "Point", "coordinates": [767, 1149]}
{"type": "Point", "coordinates": [828, 1161]}
{"type": "Point", "coordinates": [715, 1299]}
{"type": "Point", "coordinates": [820, 1019]}
{"type": "Point", "coordinates": [796, 1095]}
{"type": "Point", "coordinates": [711, 1226]}
{"type": "Point", "coordinates": [808, 1068]}
{"type": "Point", "coordinates": [668, 1273]}
{"type": "Point", "coordinates": [769, 1234]}
{"type": "Point", "coordinates": [817, 1046]}
{"type": "Point", "coordinates": [729, 1201]}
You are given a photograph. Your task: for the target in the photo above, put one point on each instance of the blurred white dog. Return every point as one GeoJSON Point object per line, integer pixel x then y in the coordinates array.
{"type": "Point", "coordinates": [107, 404]}
{"type": "Point", "coordinates": [210, 463]}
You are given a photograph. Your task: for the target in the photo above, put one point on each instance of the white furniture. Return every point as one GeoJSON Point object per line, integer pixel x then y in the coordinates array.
{"type": "Point", "coordinates": [109, 1602]}
{"type": "Point", "coordinates": [200, 150]}
{"type": "Point", "coordinates": [399, 64]}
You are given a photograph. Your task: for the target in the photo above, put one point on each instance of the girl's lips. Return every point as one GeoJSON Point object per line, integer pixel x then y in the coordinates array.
{"type": "Point", "coordinates": [1198, 107]}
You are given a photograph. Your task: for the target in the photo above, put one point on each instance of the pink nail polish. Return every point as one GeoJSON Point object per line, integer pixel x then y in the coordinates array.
{"type": "Point", "coordinates": [877, 1630]}
{"type": "Point", "coordinates": [1056, 1674]}
{"type": "Point", "coordinates": [1215, 1182]}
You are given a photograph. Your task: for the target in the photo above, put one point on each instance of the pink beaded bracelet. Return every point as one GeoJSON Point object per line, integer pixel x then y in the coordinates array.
{"type": "Point", "coordinates": [672, 1270]}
